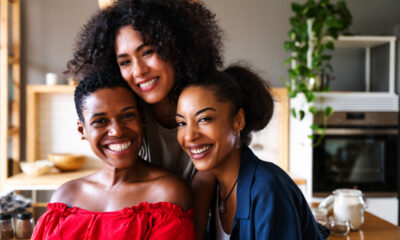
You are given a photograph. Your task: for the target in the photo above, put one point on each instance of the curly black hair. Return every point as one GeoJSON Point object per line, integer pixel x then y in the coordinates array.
{"type": "Point", "coordinates": [94, 82]}
{"type": "Point", "coordinates": [183, 32]}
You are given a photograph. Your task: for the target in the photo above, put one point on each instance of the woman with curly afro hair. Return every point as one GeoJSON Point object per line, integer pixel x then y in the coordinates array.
{"type": "Point", "coordinates": [159, 47]}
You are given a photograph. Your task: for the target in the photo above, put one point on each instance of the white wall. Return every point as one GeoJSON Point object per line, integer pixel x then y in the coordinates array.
{"type": "Point", "coordinates": [48, 29]}
{"type": "Point", "coordinates": [256, 29]}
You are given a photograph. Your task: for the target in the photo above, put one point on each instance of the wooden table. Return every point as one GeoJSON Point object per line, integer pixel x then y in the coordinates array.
{"type": "Point", "coordinates": [373, 228]}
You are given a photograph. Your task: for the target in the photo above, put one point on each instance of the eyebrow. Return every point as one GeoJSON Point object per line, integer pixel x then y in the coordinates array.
{"type": "Point", "coordinates": [140, 47]}
{"type": "Point", "coordinates": [128, 108]}
{"type": "Point", "coordinates": [97, 114]}
{"type": "Point", "coordinates": [103, 113]}
{"type": "Point", "coordinates": [199, 112]}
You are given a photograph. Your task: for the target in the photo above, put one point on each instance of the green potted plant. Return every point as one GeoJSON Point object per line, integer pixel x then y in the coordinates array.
{"type": "Point", "coordinates": [313, 27]}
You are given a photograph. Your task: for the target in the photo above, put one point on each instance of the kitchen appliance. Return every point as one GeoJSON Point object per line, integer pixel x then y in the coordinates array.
{"type": "Point", "coordinates": [359, 151]}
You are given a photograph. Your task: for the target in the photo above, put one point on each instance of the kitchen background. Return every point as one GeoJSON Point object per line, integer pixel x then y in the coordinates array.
{"type": "Point", "coordinates": [255, 32]}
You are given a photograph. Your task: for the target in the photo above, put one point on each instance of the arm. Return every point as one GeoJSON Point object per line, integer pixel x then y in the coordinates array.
{"type": "Point", "coordinates": [203, 185]}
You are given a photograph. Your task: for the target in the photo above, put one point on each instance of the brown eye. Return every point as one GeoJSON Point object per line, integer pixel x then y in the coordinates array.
{"type": "Point", "coordinates": [99, 122]}
{"type": "Point", "coordinates": [124, 63]}
{"type": "Point", "coordinates": [205, 119]}
{"type": "Point", "coordinates": [180, 123]}
{"type": "Point", "coordinates": [128, 115]}
{"type": "Point", "coordinates": [148, 52]}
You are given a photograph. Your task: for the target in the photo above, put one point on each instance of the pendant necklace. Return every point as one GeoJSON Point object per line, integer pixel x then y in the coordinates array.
{"type": "Point", "coordinates": [222, 205]}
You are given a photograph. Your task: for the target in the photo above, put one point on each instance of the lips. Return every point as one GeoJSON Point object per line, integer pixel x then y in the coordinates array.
{"type": "Point", "coordinates": [199, 151]}
{"type": "Point", "coordinates": [148, 85]}
{"type": "Point", "coordinates": [119, 147]}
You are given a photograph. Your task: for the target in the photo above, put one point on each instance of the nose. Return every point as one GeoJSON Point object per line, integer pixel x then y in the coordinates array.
{"type": "Point", "coordinates": [191, 133]}
{"type": "Point", "coordinates": [115, 129]}
{"type": "Point", "coordinates": [140, 68]}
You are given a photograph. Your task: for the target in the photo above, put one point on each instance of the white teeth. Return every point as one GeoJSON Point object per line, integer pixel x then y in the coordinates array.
{"type": "Point", "coordinates": [200, 150]}
{"type": "Point", "coordinates": [146, 84]}
{"type": "Point", "coordinates": [120, 146]}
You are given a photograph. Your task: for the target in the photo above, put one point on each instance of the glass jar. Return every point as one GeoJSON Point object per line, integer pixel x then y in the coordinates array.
{"type": "Point", "coordinates": [320, 215]}
{"type": "Point", "coordinates": [349, 206]}
{"type": "Point", "coordinates": [6, 226]}
{"type": "Point", "coordinates": [24, 225]}
{"type": "Point", "coordinates": [338, 227]}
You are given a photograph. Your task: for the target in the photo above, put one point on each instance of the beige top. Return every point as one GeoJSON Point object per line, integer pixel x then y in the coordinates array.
{"type": "Point", "coordinates": [161, 147]}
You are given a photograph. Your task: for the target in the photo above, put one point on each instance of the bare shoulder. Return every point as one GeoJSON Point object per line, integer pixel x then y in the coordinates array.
{"type": "Point", "coordinates": [65, 192]}
{"type": "Point", "coordinates": [173, 189]}
{"type": "Point", "coordinates": [70, 191]}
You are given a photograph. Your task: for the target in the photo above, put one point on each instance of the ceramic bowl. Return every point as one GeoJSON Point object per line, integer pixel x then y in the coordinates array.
{"type": "Point", "coordinates": [67, 161]}
{"type": "Point", "coordinates": [36, 168]}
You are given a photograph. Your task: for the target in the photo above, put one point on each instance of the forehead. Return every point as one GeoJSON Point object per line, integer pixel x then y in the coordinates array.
{"type": "Point", "coordinates": [200, 96]}
{"type": "Point", "coordinates": [108, 99]}
{"type": "Point", "coordinates": [126, 38]}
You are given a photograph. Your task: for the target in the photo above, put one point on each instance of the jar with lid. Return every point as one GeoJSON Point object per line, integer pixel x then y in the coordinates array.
{"type": "Point", "coordinates": [6, 226]}
{"type": "Point", "coordinates": [24, 225]}
{"type": "Point", "coordinates": [349, 206]}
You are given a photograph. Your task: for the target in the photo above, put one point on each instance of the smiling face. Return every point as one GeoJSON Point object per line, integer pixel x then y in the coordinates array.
{"type": "Point", "coordinates": [206, 129]}
{"type": "Point", "coordinates": [150, 77]}
{"type": "Point", "coordinates": [112, 126]}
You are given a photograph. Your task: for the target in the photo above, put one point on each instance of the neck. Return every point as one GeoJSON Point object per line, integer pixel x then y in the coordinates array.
{"type": "Point", "coordinates": [164, 112]}
{"type": "Point", "coordinates": [112, 176]}
{"type": "Point", "coordinates": [228, 171]}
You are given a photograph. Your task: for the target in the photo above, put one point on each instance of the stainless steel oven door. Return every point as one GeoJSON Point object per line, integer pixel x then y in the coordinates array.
{"type": "Point", "coordinates": [363, 158]}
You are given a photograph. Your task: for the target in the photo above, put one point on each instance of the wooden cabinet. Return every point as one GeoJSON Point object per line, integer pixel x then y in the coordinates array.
{"type": "Point", "coordinates": [41, 102]}
{"type": "Point", "coordinates": [10, 89]}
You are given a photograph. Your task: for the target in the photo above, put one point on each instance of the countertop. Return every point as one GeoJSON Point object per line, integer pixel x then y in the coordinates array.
{"type": "Point", "coordinates": [373, 228]}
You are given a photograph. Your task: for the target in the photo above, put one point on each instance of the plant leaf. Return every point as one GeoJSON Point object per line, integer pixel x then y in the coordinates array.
{"type": "Point", "coordinates": [302, 114]}
{"type": "Point", "coordinates": [312, 110]}
{"type": "Point", "coordinates": [314, 126]}
{"type": "Point", "coordinates": [328, 111]}
{"type": "Point", "coordinates": [294, 113]}
{"type": "Point", "coordinates": [292, 94]}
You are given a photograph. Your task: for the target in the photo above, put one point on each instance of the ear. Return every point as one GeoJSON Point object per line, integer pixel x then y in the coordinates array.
{"type": "Point", "coordinates": [240, 121]}
{"type": "Point", "coordinates": [81, 129]}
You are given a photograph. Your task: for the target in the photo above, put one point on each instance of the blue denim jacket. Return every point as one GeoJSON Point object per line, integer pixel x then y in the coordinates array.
{"type": "Point", "coordinates": [269, 204]}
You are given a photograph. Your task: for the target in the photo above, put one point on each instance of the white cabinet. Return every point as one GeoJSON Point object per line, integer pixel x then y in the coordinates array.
{"type": "Point", "coordinates": [367, 100]}
{"type": "Point", "coordinates": [367, 43]}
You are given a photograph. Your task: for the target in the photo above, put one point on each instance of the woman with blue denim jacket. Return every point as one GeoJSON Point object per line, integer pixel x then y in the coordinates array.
{"type": "Point", "coordinates": [255, 199]}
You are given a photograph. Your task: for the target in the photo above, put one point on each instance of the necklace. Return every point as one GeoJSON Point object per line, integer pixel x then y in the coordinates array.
{"type": "Point", "coordinates": [222, 205]}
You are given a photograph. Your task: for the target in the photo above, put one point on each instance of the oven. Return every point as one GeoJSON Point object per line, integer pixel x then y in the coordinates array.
{"type": "Point", "coordinates": [359, 150]}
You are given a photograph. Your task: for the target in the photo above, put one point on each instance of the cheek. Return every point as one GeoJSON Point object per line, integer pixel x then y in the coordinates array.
{"type": "Point", "coordinates": [227, 139]}
{"type": "Point", "coordinates": [125, 73]}
{"type": "Point", "coordinates": [180, 136]}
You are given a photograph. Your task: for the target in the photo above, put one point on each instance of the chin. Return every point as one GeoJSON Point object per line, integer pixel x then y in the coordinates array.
{"type": "Point", "coordinates": [202, 166]}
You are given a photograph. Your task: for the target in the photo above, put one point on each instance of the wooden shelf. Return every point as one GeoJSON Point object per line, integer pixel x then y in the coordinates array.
{"type": "Point", "coordinates": [13, 131]}
{"type": "Point", "coordinates": [50, 181]}
{"type": "Point", "coordinates": [13, 60]}
{"type": "Point", "coordinates": [10, 92]}
{"type": "Point", "coordinates": [59, 88]}
{"type": "Point", "coordinates": [298, 180]}
{"type": "Point", "coordinates": [361, 41]}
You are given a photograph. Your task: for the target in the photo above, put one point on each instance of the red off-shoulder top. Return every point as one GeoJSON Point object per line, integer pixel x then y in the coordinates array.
{"type": "Point", "coordinates": [145, 221]}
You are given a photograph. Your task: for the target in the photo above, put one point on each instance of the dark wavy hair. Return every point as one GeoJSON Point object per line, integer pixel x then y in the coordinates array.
{"type": "Point", "coordinates": [183, 32]}
{"type": "Point", "coordinates": [94, 82]}
{"type": "Point", "coordinates": [243, 88]}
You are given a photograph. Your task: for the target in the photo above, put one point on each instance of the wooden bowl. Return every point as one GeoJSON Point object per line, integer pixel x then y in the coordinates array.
{"type": "Point", "coordinates": [67, 161]}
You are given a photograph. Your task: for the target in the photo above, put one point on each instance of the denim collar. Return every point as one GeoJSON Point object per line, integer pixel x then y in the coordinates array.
{"type": "Point", "coordinates": [248, 165]}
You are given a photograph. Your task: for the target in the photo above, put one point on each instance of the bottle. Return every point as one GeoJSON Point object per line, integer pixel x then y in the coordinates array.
{"type": "Point", "coordinates": [24, 225]}
{"type": "Point", "coordinates": [6, 226]}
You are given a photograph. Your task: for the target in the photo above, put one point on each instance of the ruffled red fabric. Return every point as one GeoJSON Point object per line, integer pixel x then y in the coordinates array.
{"type": "Point", "coordinates": [161, 220]}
